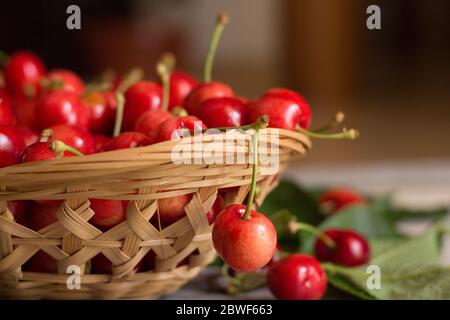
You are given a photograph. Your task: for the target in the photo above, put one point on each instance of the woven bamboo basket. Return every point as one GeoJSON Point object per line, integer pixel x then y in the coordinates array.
{"type": "Point", "coordinates": [142, 175]}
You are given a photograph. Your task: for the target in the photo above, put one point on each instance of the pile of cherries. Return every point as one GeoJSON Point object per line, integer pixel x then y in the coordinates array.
{"type": "Point", "coordinates": [53, 114]}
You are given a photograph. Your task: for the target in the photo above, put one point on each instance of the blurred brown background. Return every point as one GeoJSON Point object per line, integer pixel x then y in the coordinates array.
{"type": "Point", "coordinates": [392, 83]}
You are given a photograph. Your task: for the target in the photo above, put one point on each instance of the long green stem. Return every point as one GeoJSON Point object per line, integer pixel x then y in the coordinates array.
{"type": "Point", "coordinates": [133, 76]}
{"type": "Point", "coordinates": [3, 58]}
{"type": "Point", "coordinates": [260, 123]}
{"type": "Point", "coordinates": [295, 226]}
{"type": "Point", "coordinates": [60, 147]}
{"type": "Point", "coordinates": [164, 69]}
{"type": "Point", "coordinates": [222, 20]}
{"type": "Point", "coordinates": [337, 119]}
{"type": "Point", "coordinates": [351, 134]}
{"type": "Point", "coordinates": [119, 113]}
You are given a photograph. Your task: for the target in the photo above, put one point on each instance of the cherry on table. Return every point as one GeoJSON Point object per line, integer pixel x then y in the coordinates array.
{"type": "Point", "coordinates": [222, 112]}
{"type": "Point", "coordinates": [350, 248]}
{"type": "Point", "coordinates": [11, 146]}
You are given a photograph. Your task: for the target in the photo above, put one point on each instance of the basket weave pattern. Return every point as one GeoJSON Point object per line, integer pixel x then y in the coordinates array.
{"type": "Point", "coordinates": [141, 175]}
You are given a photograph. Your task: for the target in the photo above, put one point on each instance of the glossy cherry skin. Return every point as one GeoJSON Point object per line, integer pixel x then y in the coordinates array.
{"type": "Point", "coordinates": [7, 117]}
{"type": "Point", "coordinates": [70, 80]}
{"type": "Point", "coordinates": [305, 110]}
{"type": "Point", "coordinates": [151, 120]}
{"type": "Point", "coordinates": [351, 250]}
{"type": "Point", "coordinates": [127, 140]}
{"type": "Point", "coordinates": [174, 128]}
{"type": "Point", "coordinates": [40, 151]}
{"type": "Point", "coordinates": [100, 141]}
{"type": "Point", "coordinates": [61, 107]}
{"type": "Point", "coordinates": [108, 213]}
{"type": "Point", "coordinates": [244, 244]}
{"type": "Point", "coordinates": [217, 207]}
{"type": "Point", "coordinates": [102, 111]}
{"type": "Point", "coordinates": [76, 137]}
{"type": "Point", "coordinates": [297, 277]}
{"type": "Point", "coordinates": [23, 69]}
{"type": "Point", "coordinates": [181, 84]}
{"type": "Point", "coordinates": [139, 98]}
{"type": "Point", "coordinates": [4, 95]}
{"type": "Point", "coordinates": [205, 91]}
{"type": "Point", "coordinates": [100, 264]}
{"type": "Point", "coordinates": [19, 210]}
{"type": "Point", "coordinates": [29, 137]}
{"type": "Point", "coordinates": [221, 112]}
{"type": "Point", "coordinates": [172, 209]}
{"type": "Point", "coordinates": [282, 113]}
{"type": "Point", "coordinates": [334, 200]}
{"type": "Point", "coordinates": [11, 146]}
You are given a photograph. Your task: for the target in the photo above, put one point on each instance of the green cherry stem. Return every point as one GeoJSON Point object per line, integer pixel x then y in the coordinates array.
{"type": "Point", "coordinates": [337, 119]}
{"type": "Point", "coordinates": [350, 134]}
{"type": "Point", "coordinates": [60, 147]}
{"type": "Point", "coordinates": [133, 76]}
{"type": "Point", "coordinates": [96, 86]}
{"type": "Point", "coordinates": [119, 113]}
{"type": "Point", "coordinates": [179, 111]}
{"type": "Point", "coordinates": [295, 226]}
{"type": "Point", "coordinates": [222, 20]}
{"type": "Point", "coordinates": [45, 135]}
{"type": "Point", "coordinates": [260, 123]}
{"type": "Point", "coordinates": [164, 68]}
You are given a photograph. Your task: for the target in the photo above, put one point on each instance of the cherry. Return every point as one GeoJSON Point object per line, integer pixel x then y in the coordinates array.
{"type": "Point", "coordinates": [217, 207]}
{"type": "Point", "coordinates": [43, 215]}
{"type": "Point", "coordinates": [102, 111]}
{"type": "Point", "coordinates": [181, 84]}
{"type": "Point", "coordinates": [24, 111]}
{"type": "Point", "coordinates": [100, 141]}
{"type": "Point", "coordinates": [100, 264]}
{"type": "Point", "coordinates": [61, 107]}
{"type": "Point", "coordinates": [6, 114]}
{"type": "Point", "coordinates": [151, 120]}
{"type": "Point", "coordinates": [11, 146]}
{"type": "Point", "coordinates": [41, 262]}
{"type": "Point", "coordinates": [286, 94]}
{"type": "Point", "coordinates": [245, 244]}
{"type": "Point", "coordinates": [19, 210]}
{"type": "Point", "coordinates": [29, 137]}
{"type": "Point", "coordinates": [204, 92]}
{"type": "Point", "coordinates": [4, 95]}
{"type": "Point", "coordinates": [297, 277]}
{"type": "Point", "coordinates": [128, 140]}
{"type": "Point", "coordinates": [41, 151]}
{"type": "Point", "coordinates": [76, 137]}
{"type": "Point", "coordinates": [173, 128]}
{"type": "Point", "coordinates": [23, 71]}
{"type": "Point", "coordinates": [68, 80]}
{"type": "Point", "coordinates": [349, 249]}
{"type": "Point", "coordinates": [172, 209]}
{"type": "Point", "coordinates": [282, 113]}
{"type": "Point", "coordinates": [139, 98]}
{"type": "Point", "coordinates": [334, 200]}
{"type": "Point", "coordinates": [222, 112]}
{"type": "Point", "coordinates": [108, 213]}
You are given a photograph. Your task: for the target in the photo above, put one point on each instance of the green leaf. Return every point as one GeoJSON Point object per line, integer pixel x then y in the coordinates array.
{"type": "Point", "coordinates": [342, 284]}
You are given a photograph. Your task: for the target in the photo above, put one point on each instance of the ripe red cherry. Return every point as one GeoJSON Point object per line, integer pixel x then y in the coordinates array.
{"type": "Point", "coordinates": [100, 141]}
{"type": "Point", "coordinates": [173, 128]}
{"type": "Point", "coordinates": [244, 244]}
{"type": "Point", "coordinates": [19, 210]}
{"type": "Point", "coordinates": [76, 137]}
{"type": "Point", "coordinates": [282, 113]}
{"type": "Point", "coordinates": [43, 215]}
{"type": "Point", "coordinates": [41, 262]}
{"type": "Point", "coordinates": [100, 264]}
{"type": "Point", "coordinates": [180, 84]}
{"type": "Point", "coordinates": [11, 146]}
{"type": "Point", "coordinates": [40, 151]}
{"type": "Point", "coordinates": [217, 207]}
{"type": "Point", "coordinates": [70, 81]}
{"type": "Point", "coordinates": [6, 114]}
{"type": "Point", "coordinates": [205, 91]}
{"type": "Point", "coordinates": [102, 111]}
{"type": "Point", "coordinates": [336, 199]}
{"type": "Point", "coordinates": [108, 213]}
{"type": "Point", "coordinates": [151, 120]}
{"type": "Point", "coordinates": [61, 107]}
{"type": "Point", "coordinates": [127, 140]}
{"type": "Point", "coordinates": [297, 277]}
{"type": "Point", "coordinates": [4, 95]}
{"type": "Point", "coordinates": [222, 112]}
{"type": "Point", "coordinates": [351, 249]}
{"type": "Point", "coordinates": [139, 98]}
{"type": "Point", "coordinates": [23, 72]}
{"type": "Point", "coordinates": [172, 209]}
{"type": "Point", "coordinates": [23, 109]}
{"type": "Point", "coordinates": [29, 137]}
{"type": "Point", "coordinates": [305, 110]}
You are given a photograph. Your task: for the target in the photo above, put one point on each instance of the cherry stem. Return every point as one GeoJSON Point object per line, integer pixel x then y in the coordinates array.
{"type": "Point", "coordinates": [119, 113]}
{"type": "Point", "coordinates": [164, 68]}
{"type": "Point", "coordinates": [3, 58]}
{"type": "Point", "coordinates": [29, 91]}
{"type": "Point", "coordinates": [295, 226]}
{"type": "Point", "coordinates": [179, 111]}
{"type": "Point", "coordinates": [60, 147]}
{"type": "Point", "coordinates": [222, 20]}
{"type": "Point", "coordinates": [93, 87]}
{"type": "Point", "coordinates": [133, 76]}
{"type": "Point", "coordinates": [337, 119]}
{"type": "Point", "coordinates": [45, 135]}
{"type": "Point", "coordinates": [260, 123]}
{"type": "Point", "coordinates": [350, 134]}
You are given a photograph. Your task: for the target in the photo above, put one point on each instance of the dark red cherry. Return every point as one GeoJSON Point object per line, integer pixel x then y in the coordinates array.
{"type": "Point", "coordinates": [23, 109]}
{"type": "Point", "coordinates": [151, 120]}
{"type": "Point", "coordinates": [43, 215]}
{"type": "Point", "coordinates": [181, 84]}
{"type": "Point", "coordinates": [102, 111]}
{"type": "Point", "coordinates": [351, 248]}
{"type": "Point", "coordinates": [100, 141]}
{"type": "Point", "coordinates": [19, 210]}
{"type": "Point", "coordinates": [221, 112]}
{"type": "Point", "coordinates": [41, 262]}
{"type": "Point", "coordinates": [108, 213]}
{"type": "Point", "coordinates": [176, 127]}
{"type": "Point", "coordinates": [205, 91]}
{"type": "Point", "coordinates": [282, 113]}
{"type": "Point", "coordinates": [61, 107]}
{"type": "Point", "coordinates": [7, 117]}
{"type": "Point", "coordinates": [139, 98]}
{"type": "Point", "coordinates": [11, 146]}
{"type": "Point", "coordinates": [76, 137]}
{"type": "Point", "coordinates": [41, 151]}
{"type": "Point", "coordinates": [29, 137]}
{"type": "Point", "coordinates": [127, 140]}
{"type": "Point", "coordinates": [336, 199]}
{"type": "Point", "coordinates": [4, 95]}
{"type": "Point", "coordinates": [69, 80]}
{"type": "Point", "coordinates": [218, 206]}
{"type": "Point", "coordinates": [305, 110]}
{"type": "Point", "coordinates": [23, 72]}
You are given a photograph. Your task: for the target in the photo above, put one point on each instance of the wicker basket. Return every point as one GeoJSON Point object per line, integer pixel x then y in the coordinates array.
{"type": "Point", "coordinates": [141, 175]}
